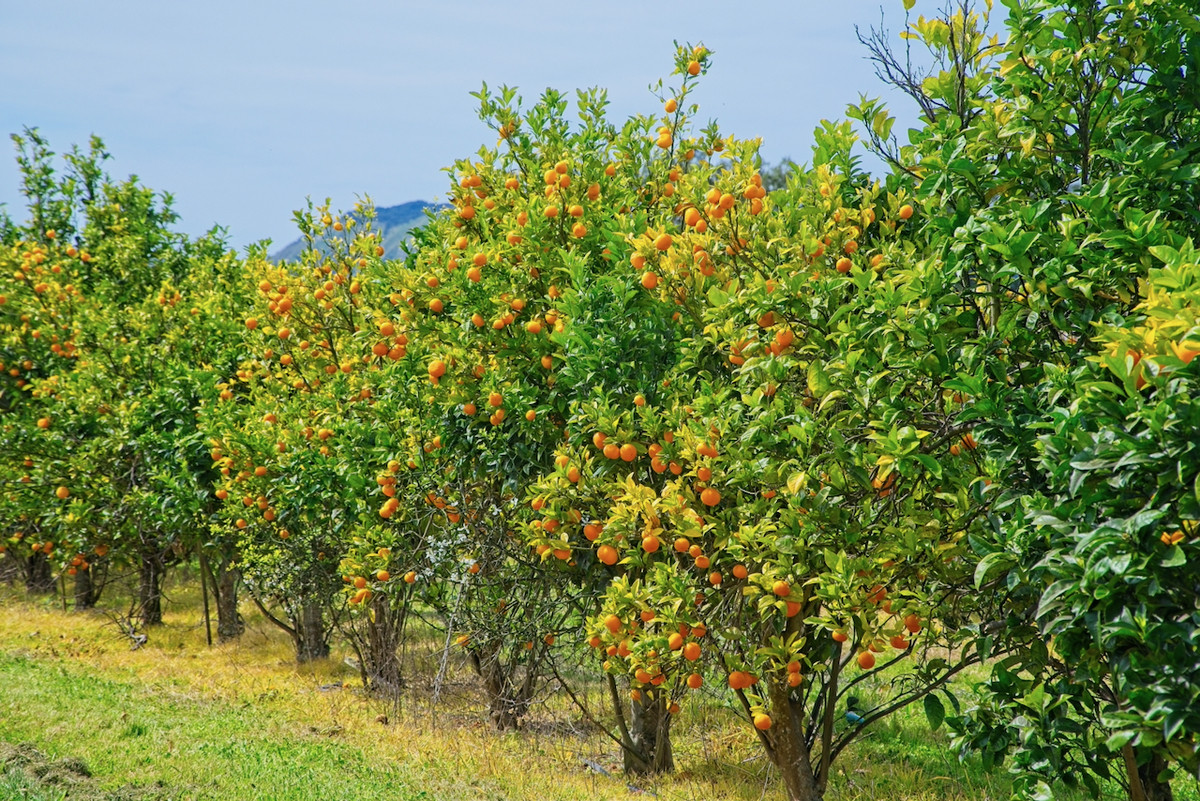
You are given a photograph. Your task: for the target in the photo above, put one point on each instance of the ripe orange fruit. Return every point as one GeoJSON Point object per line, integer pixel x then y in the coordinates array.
{"type": "Point", "coordinates": [671, 105]}
{"type": "Point", "coordinates": [899, 643]}
{"type": "Point", "coordinates": [906, 211]}
{"type": "Point", "coordinates": [912, 623]}
{"type": "Point", "coordinates": [781, 588]}
{"type": "Point", "coordinates": [437, 368]}
{"type": "Point", "coordinates": [383, 575]}
{"type": "Point", "coordinates": [844, 264]}
{"type": "Point", "coordinates": [649, 280]}
{"type": "Point", "coordinates": [650, 544]}
{"type": "Point", "coordinates": [663, 242]}
{"type": "Point", "coordinates": [612, 451]}
{"type": "Point", "coordinates": [739, 680]}
{"type": "Point", "coordinates": [693, 68]}
{"type": "Point", "coordinates": [469, 409]}
{"type": "Point", "coordinates": [410, 577]}
{"type": "Point", "coordinates": [607, 554]}
{"type": "Point", "coordinates": [598, 439]}
{"type": "Point", "coordinates": [695, 681]}
{"type": "Point", "coordinates": [63, 493]}
{"type": "Point", "coordinates": [675, 641]}
{"type": "Point", "coordinates": [628, 452]}
{"type": "Point", "coordinates": [710, 497]}
{"type": "Point", "coordinates": [739, 571]}
{"type": "Point", "coordinates": [612, 623]}
{"type": "Point", "coordinates": [762, 722]}
{"type": "Point", "coordinates": [866, 660]}
{"type": "Point", "coordinates": [252, 323]}
{"type": "Point", "coordinates": [691, 651]}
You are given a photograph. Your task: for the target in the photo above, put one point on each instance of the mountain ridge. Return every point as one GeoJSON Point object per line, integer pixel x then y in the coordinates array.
{"type": "Point", "coordinates": [394, 223]}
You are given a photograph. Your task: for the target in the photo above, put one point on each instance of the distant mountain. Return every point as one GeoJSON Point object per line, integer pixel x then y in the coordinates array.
{"type": "Point", "coordinates": [394, 222]}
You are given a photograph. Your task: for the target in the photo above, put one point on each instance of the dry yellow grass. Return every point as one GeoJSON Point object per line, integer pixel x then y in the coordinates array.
{"type": "Point", "coordinates": [448, 750]}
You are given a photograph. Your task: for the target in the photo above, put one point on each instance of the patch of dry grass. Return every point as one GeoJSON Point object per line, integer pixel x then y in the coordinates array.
{"type": "Point", "coordinates": [229, 720]}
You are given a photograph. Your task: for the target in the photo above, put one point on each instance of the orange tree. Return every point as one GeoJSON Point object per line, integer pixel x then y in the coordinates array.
{"type": "Point", "coordinates": [37, 343]}
{"type": "Point", "coordinates": [725, 351]}
{"type": "Point", "coordinates": [521, 303]}
{"type": "Point", "coordinates": [820, 487]}
{"type": "Point", "coordinates": [295, 439]}
{"type": "Point", "coordinates": [785, 474]}
{"type": "Point", "coordinates": [1055, 173]}
{"type": "Point", "coordinates": [117, 448]}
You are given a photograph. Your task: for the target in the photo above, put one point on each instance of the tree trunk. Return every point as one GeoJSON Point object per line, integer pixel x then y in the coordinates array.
{"type": "Point", "coordinates": [507, 700]}
{"type": "Point", "coordinates": [649, 749]}
{"type": "Point", "coordinates": [150, 576]}
{"type": "Point", "coordinates": [85, 594]}
{"type": "Point", "coordinates": [787, 748]}
{"type": "Point", "coordinates": [229, 623]}
{"type": "Point", "coordinates": [10, 571]}
{"type": "Point", "coordinates": [1152, 787]}
{"type": "Point", "coordinates": [38, 577]}
{"type": "Point", "coordinates": [384, 628]}
{"type": "Point", "coordinates": [311, 642]}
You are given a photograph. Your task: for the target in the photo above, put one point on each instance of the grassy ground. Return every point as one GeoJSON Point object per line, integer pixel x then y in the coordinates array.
{"type": "Point", "coordinates": [176, 719]}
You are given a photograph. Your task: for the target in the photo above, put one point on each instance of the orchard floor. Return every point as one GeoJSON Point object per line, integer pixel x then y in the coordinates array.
{"type": "Point", "coordinates": [82, 716]}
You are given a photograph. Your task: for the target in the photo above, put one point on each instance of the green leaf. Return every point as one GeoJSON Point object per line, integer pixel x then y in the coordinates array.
{"type": "Point", "coordinates": [989, 564]}
{"type": "Point", "coordinates": [931, 464]}
{"type": "Point", "coordinates": [908, 4]}
{"type": "Point", "coordinates": [1174, 557]}
{"type": "Point", "coordinates": [1164, 253]}
{"type": "Point", "coordinates": [934, 711]}
{"type": "Point", "coordinates": [818, 381]}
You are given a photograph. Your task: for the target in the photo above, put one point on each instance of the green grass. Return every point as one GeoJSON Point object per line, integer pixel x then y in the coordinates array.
{"type": "Point", "coordinates": [155, 737]}
{"type": "Point", "coordinates": [177, 719]}
{"type": "Point", "coordinates": [19, 787]}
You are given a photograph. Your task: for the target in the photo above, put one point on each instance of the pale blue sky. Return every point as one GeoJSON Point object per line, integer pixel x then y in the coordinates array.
{"type": "Point", "coordinates": [242, 109]}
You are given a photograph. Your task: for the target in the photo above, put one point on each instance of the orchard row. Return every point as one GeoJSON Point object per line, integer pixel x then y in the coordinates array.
{"type": "Point", "coordinates": [626, 402]}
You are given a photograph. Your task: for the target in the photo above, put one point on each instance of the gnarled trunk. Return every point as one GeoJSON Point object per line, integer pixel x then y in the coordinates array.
{"type": "Point", "coordinates": [229, 622]}
{"type": "Point", "coordinates": [1144, 784]}
{"type": "Point", "coordinates": [787, 749]}
{"type": "Point", "coordinates": [150, 577]}
{"type": "Point", "coordinates": [85, 592]}
{"type": "Point", "coordinates": [10, 571]}
{"type": "Point", "coordinates": [310, 634]}
{"type": "Point", "coordinates": [38, 577]}
{"type": "Point", "coordinates": [649, 746]}
{"type": "Point", "coordinates": [508, 692]}
{"type": "Point", "coordinates": [381, 660]}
